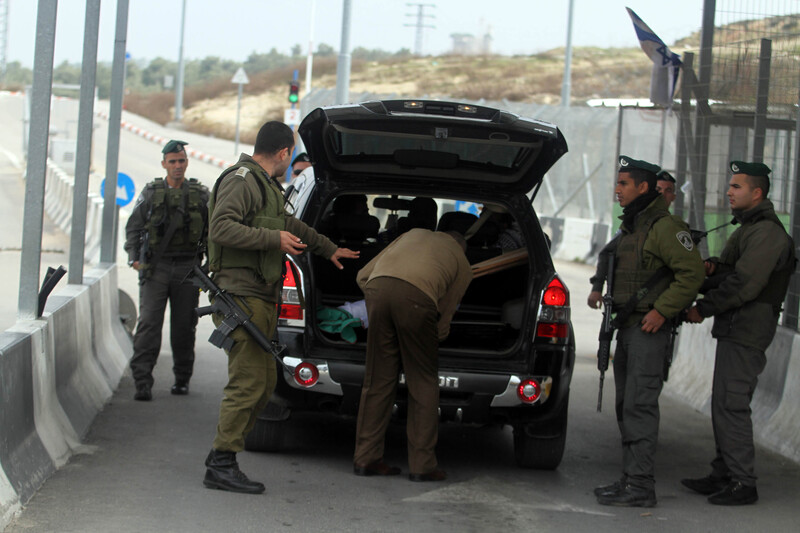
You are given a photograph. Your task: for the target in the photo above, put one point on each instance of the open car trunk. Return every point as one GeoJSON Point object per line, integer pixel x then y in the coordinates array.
{"type": "Point", "coordinates": [490, 318]}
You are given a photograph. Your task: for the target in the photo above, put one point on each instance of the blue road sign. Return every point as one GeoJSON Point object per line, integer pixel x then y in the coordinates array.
{"type": "Point", "coordinates": [125, 189]}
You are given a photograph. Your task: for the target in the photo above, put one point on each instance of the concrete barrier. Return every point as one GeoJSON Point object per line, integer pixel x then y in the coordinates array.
{"type": "Point", "coordinates": [774, 405]}
{"type": "Point", "coordinates": [56, 373]}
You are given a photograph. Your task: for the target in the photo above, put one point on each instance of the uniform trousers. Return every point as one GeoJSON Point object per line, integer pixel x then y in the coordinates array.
{"type": "Point", "coordinates": [639, 377]}
{"type": "Point", "coordinates": [252, 376]}
{"type": "Point", "coordinates": [166, 284]}
{"type": "Point", "coordinates": [403, 329]}
{"type": "Point", "coordinates": [736, 371]}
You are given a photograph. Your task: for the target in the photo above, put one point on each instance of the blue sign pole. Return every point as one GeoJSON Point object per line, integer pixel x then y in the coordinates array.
{"type": "Point", "coordinates": [294, 150]}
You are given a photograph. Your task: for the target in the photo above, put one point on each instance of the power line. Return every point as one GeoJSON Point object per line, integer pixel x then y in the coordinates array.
{"type": "Point", "coordinates": [420, 24]}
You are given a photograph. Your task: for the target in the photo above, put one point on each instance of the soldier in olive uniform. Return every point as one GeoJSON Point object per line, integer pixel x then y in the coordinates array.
{"type": "Point", "coordinates": [166, 236]}
{"type": "Point", "coordinates": [657, 273]}
{"type": "Point", "coordinates": [665, 184]}
{"type": "Point", "coordinates": [744, 292]}
{"type": "Point", "coordinates": [249, 235]}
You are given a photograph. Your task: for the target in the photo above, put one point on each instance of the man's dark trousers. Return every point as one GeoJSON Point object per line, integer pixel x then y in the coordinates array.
{"type": "Point", "coordinates": [403, 328]}
{"type": "Point", "coordinates": [167, 283]}
{"type": "Point", "coordinates": [736, 371]}
{"type": "Point", "coordinates": [638, 377]}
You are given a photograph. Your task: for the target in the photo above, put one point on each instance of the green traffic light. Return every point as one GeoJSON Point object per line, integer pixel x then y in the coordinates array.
{"type": "Point", "coordinates": [293, 98]}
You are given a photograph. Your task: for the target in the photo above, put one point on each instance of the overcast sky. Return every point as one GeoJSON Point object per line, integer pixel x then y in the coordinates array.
{"type": "Point", "coordinates": [232, 29]}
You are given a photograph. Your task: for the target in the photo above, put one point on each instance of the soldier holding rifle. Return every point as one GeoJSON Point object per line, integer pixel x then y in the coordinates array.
{"type": "Point", "coordinates": [657, 273]}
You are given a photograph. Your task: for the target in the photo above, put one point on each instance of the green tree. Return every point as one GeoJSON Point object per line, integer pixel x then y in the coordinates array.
{"type": "Point", "coordinates": [325, 50]}
{"type": "Point", "coordinates": [16, 76]}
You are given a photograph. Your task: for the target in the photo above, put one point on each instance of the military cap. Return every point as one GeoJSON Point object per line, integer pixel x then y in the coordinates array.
{"type": "Point", "coordinates": [627, 163]}
{"type": "Point", "coordinates": [751, 169]}
{"type": "Point", "coordinates": [302, 157]}
{"type": "Point", "coordinates": [665, 176]}
{"type": "Point", "coordinates": [173, 146]}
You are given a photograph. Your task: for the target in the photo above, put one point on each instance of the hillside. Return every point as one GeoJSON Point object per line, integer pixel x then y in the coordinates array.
{"type": "Point", "coordinates": [596, 73]}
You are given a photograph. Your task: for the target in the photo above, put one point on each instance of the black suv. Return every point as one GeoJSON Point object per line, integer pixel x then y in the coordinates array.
{"type": "Point", "coordinates": [381, 168]}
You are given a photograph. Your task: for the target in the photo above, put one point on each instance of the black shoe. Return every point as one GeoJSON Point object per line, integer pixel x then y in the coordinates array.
{"type": "Point", "coordinates": [181, 388]}
{"type": "Point", "coordinates": [223, 473]}
{"type": "Point", "coordinates": [610, 489]}
{"type": "Point", "coordinates": [378, 468]}
{"type": "Point", "coordinates": [629, 496]}
{"type": "Point", "coordinates": [735, 494]}
{"type": "Point", "coordinates": [143, 393]}
{"type": "Point", "coordinates": [433, 475]}
{"type": "Point", "coordinates": [706, 485]}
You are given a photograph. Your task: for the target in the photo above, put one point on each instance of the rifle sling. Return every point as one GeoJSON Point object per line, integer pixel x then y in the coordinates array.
{"type": "Point", "coordinates": [633, 301]}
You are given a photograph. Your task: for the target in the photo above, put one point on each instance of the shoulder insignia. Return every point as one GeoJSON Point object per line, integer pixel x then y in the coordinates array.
{"type": "Point", "coordinates": [242, 172]}
{"type": "Point", "coordinates": [685, 238]}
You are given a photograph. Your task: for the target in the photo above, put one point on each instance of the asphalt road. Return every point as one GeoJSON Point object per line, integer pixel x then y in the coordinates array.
{"type": "Point", "coordinates": [143, 469]}
{"type": "Point", "coordinates": [142, 466]}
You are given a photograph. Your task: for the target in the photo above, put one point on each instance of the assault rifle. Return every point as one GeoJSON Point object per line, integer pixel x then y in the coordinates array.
{"type": "Point", "coordinates": [144, 251]}
{"type": "Point", "coordinates": [234, 316]}
{"type": "Point", "coordinates": [607, 329]}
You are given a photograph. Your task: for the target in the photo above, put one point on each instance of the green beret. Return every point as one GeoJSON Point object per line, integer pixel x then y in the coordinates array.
{"type": "Point", "coordinates": [626, 163]}
{"type": "Point", "coordinates": [173, 146]}
{"type": "Point", "coordinates": [751, 169]}
{"type": "Point", "coordinates": [664, 175]}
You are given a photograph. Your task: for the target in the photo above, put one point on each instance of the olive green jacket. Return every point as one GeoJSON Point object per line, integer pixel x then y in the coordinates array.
{"type": "Point", "coordinates": [741, 295]}
{"type": "Point", "coordinates": [237, 199]}
{"type": "Point", "coordinates": [668, 243]}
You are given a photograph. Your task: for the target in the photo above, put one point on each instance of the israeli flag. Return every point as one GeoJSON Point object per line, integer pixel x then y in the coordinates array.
{"type": "Point", "coordinates": [666, 64]}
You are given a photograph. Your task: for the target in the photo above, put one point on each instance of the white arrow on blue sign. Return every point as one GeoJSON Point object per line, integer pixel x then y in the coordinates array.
{"type": "Point", "coordinates": [125, 189]}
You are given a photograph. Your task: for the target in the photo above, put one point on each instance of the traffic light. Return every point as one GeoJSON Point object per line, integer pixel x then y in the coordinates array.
{"type": "Point", "coordinates": [294, 88]}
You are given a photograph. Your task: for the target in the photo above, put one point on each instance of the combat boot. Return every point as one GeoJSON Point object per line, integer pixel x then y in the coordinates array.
{"type": "Point", "coordinates": [223, 473]}
{"type": "Point", "coordinates": [706, 485]}
{"type": "Point", "coordinates": [735, 494]}
{"type": "Point", "coordinates": [613, 488]}
{"type": "Point", "coordinates": [629, 496]}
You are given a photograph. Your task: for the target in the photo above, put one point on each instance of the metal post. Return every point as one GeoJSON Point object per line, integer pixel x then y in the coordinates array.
{"type": "Point", "coordinates": [792, 304]}
{"type": "Point", "coordinates": [32, 220]}
{"type": "Point", "coordinates": [179, 85]}
{"type": "Point", "coordinates": [83, 158]}
{"type": "Point", "coordinates": [762, 101]}
{"type": "Point", "coordinates": [566, 83]}
{"type": "Point", "coordinates": [238, 112]}
{"type": "Point", "coordinates": [310, 56]}
{"type": "Point", "coordinates": [108, 239]}
{"type": "Point", "coordinates": [343, 66]}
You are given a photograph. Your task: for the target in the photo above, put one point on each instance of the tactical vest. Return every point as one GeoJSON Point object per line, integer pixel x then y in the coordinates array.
{"type": "Point", "coordinates": [775, 290]}
{"type": "Point", "coordinates": [631, 273]}
{"type": "Point", "coordinates": [166, 202]}
{"type": "Point", "coordinates": [271, 215]}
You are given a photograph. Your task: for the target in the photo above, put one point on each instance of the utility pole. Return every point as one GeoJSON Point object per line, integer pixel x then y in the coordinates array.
{"type": "Point", "coordinates": [343, 65]}
{"type": "Point", "coordinates": [420, 25]}
{"type": "Point", "coordinates": [179, 84]}
{"type": "Point", "coordinates": [3, 39]}
{"type": "Point", "coordinates": [566, 83]}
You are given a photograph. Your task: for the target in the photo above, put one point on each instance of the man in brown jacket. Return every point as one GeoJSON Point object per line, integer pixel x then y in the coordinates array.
{"type": "Point", "coordinates": [412, 289]}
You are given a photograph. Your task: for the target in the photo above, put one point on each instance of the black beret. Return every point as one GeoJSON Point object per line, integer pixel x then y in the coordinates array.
{"type": "Point", "coordinates": [751, 169]}
{"type": "Point", "coordinates": [173, 146]}
{"type": "Point", "coordinates": [302, 157]}
{"type": "Point", "coordinates": [625, 163]}
{"type": "Point", "coordinates": [666, 176]}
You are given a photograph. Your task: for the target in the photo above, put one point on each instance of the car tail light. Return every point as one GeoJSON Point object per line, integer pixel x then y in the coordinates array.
{"type": "Point", "coordinates": [554, 312]}
{"type": "Point", "coordinates": [306, 374]}
{"type": "Point", "coordinates": [529, 390]}
{"type": "Point", "coordinates": [290, 297]}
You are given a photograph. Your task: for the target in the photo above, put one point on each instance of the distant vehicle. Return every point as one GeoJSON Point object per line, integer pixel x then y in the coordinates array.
{"type": "Point", "coordinates": [510, 354]}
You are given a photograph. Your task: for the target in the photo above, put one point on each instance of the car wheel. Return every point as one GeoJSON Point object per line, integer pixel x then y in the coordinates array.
{"type": "Point", "coordinates": [271, 430]}
{"type": "Point", "coordinates": [266, 436]}
{"type": "Point", "coordinates": [541, 447]}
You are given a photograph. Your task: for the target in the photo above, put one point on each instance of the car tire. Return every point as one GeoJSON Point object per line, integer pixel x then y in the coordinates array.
{"type": "Point", "coordinates": [266, 436]}
{"type": "Point", "coordinates": [541, 447]}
